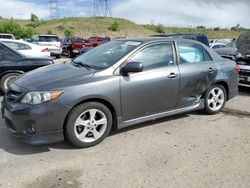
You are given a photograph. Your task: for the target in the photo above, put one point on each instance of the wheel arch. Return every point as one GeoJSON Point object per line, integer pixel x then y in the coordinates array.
{"type": "Point", "coordinates": [10, 71]}
{"type": "Point", "coordinates": [102, 101]}
{"type": "Point", "coordinates": [224, 84]}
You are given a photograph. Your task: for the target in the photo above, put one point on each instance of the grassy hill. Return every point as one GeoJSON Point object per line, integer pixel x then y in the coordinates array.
{"type": "Point", "coordinates": [100, 26]}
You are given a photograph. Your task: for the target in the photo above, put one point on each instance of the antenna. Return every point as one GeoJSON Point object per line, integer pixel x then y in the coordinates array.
{"type": "Point", "coordinates": [53, 6]}
{"type": "Point", "coordinates": [101, 8]}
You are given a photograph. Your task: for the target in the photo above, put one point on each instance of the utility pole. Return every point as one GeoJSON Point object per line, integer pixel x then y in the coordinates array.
{"type": "Point", "coordinates": [53, 6]}
{"type": "Point", "coordinates": [101, 8]}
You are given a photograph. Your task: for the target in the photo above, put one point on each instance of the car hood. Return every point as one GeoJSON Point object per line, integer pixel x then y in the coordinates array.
{"type": "Point", "coordinates": [226, 51]}
{"type": "Point", "coordinates": [54, 77]}
{"type": "Point", "coordinates": [243, 44]}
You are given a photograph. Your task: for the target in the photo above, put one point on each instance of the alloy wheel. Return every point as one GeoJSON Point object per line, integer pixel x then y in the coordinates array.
{"type": "Point", "coordinates": [216, 99]}
{"type": "Point", "coordinates": [90, 125]}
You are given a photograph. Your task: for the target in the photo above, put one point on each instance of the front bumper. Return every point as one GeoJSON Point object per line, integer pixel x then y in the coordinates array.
{"type": "Point", "coordinates": [35, 124]}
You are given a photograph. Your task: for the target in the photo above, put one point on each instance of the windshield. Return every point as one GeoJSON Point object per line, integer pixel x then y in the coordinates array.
{"type": "Point", "coordinates": [48, 39]}
{"type": "Point", "coordinates": [107, 54]}
{"type": "Point", "coordinates": [232, 44]}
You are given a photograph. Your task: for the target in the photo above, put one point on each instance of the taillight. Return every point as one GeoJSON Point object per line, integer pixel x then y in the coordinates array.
{"type": "Point", "coordinates": [45, 50]}
{"type": "Point", "coordinates": [237, 68]}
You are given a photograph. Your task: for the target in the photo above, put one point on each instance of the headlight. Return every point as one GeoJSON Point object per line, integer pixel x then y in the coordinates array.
{"type": "Point", "coordinates": [38, 97]}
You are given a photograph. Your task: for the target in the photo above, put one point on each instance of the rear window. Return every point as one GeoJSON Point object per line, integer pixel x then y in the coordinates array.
{"type": "Point", "coordinates": [48, 39]}
{"type": "Point", "coordinates": [80, 40]}
{"type": "Point", "coordinates": [6, 36]}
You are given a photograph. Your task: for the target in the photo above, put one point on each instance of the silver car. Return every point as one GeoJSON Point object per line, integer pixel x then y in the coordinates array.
{"type": "Point", "coordinates": [116, 85]}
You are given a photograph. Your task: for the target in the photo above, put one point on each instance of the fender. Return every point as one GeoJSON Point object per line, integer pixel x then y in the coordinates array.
{"type": "Point", "coordinates": [10, 71]}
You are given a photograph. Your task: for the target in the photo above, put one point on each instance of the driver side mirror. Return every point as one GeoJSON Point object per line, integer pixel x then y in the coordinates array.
{"type": "Point", "coordinates": [131, 67]}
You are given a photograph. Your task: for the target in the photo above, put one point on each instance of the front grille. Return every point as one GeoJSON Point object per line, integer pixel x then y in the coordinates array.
{"type": "Point", "coordinates": [12, 95]}
{"type": "Point", "coordinates": [244, 72]}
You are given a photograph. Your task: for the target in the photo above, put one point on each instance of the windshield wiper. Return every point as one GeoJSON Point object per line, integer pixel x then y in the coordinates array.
{"type": "Point", "coordinates": [83, 65]}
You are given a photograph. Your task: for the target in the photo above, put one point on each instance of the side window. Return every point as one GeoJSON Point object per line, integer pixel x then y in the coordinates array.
{"type": "Point", "coordinates": [23, 47]}
{"type": "Point", "coordinates": [190, 53]}
{"type": "Point", "coordinates": [155, 56]}
{"type": "Point", "coordinates": [207, 56]}
{"type": "Point", "coordinates": [8, 55]}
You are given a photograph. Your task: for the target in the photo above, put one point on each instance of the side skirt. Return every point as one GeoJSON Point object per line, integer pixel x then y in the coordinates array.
{"type": "Point", "coordinates": [123, 124]}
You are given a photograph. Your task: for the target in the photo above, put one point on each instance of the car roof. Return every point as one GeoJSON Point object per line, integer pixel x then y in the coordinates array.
{"type": "Point", "coordinates": [159, 39]}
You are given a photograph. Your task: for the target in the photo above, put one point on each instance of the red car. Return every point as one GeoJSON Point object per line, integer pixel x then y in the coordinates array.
{"type": "Point", "coordinates": [72, 45]}
{"type": "Point", "coordinates": [96, 41]}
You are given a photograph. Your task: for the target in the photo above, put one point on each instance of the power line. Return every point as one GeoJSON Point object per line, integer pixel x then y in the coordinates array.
{"type": "Point", "coordinates": [54, 10]}
{"type": "Point", "coordinates": [102, 8]}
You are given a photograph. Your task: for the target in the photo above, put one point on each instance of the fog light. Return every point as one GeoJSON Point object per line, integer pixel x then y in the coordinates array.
{"type": "Point", "coordinates": [31, 130]}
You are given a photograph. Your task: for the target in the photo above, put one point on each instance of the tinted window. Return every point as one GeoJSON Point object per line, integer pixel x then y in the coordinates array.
{"type": "Point", "coordinates": [8, 54]}
{"type": "Point", "coordinates": [190, 53]}
{"type": "Point", "coordinates": [48, 39]}
{"type": "Point", "coordinates": [155, 56]}
{"type": "Point", "coordinates": [17, 46]}
{"type": "Point", "coordinates": [75, 39]}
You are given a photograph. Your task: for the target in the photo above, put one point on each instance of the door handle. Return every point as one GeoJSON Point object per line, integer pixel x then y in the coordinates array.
{"type": "Point", "coordinates": [172, 75]}
{"type": "Point", "coordinates": [210, 70]}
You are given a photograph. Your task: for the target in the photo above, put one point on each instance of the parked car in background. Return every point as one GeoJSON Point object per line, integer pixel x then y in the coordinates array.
{"type": "Point", "coordinates": [52, 41]}
{"type": "Point", "coordinates": [6, 36]}
{"type": "Point", "coordinates": [217, 45]}
{"type": "Point", "coordinates": [239, 51]}
{"type": "Point", "coordinates": [96, 41]}
{"type": "Point", "coordinates": [14, 64]}
{"type": "Point", "coordinates": [72, 45]}
{"type": "Point", "coordinates": [243, 58]}
{"type": "Point", "coordinates": [27, 49]}
{"type": "Point", "coordinates": [229, 51]}
{"type": "Point", "coordinates": [116, 85]}
{"type": "Point", "coordinates": [192, 36]}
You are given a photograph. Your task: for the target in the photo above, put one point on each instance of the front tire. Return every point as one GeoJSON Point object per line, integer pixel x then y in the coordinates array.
{"type": "Point", "coordinates": [88, 124]}
{"type": "Point", "coordinates": [215, 99]}
{"type": "Point", "coordinates": [7, 80]}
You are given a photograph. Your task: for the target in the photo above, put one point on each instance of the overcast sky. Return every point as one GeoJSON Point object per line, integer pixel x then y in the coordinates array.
{"type": "Point", "coordinates": [190, 13]}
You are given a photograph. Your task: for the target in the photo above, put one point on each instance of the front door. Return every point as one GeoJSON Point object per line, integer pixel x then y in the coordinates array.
{"type": "Point", "coordinates": [153, 90]}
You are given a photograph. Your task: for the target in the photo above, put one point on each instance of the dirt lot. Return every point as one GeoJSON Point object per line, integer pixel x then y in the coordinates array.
{"type": "Point", "coordinates": [191, 150]}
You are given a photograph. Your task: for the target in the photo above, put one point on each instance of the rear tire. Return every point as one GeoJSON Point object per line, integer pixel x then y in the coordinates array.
{"type": "Point", "coordinates": [7, 80]}
{"type": "Point", "coordinates": [215, 99]}
{"type": "Point", "coordinates": [88, 124]}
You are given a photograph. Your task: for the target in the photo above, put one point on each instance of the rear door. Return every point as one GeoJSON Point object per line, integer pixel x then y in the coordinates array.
{"type": "Point", "coordinates": [197, 72]}
{"type": "Point", "coordinates": [153, 90]}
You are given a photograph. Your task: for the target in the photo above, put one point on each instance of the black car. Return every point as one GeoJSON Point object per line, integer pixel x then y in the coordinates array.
{"type": "Point", "coordinates": [14, 64]}
{"type": "Point", "coordinates": [192, 36]}
{"type": "Point", "coordinates": [239, 51]}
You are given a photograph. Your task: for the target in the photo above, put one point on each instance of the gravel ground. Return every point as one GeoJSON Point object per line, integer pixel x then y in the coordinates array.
{"type": "Point", "coordinates": [190, 150]}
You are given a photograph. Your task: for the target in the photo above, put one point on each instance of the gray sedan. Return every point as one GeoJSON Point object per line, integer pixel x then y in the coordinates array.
{"type": "Point", "coordinates": [116, 85]}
